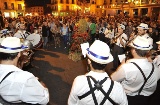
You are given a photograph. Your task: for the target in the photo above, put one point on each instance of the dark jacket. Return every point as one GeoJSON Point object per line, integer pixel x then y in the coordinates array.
{"type": "Point", "coordinates": [45, 30]}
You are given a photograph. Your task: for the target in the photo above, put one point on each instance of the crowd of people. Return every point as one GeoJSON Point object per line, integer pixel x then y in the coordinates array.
{"type": "Point", "coordinates": [132, 82]}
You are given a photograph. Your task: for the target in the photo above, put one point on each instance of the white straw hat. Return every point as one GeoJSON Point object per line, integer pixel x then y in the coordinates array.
{"type": "Point", "coordinates": [141, 43]}
{"type": "Point", "coordinates": [11, 45]}
{"type": "Point", "coordinates": [99, 52]}
{"type": "Point", "coordinates": [122, 26]}
{"type": "Point", "coordinates": [143, 26]}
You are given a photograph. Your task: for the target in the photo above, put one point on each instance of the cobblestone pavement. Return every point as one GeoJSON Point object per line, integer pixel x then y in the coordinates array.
{"type": "Point", "coordinates": [57, 71]}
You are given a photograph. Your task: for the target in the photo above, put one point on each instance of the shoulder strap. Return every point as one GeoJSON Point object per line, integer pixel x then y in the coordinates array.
{"type": "Point", "coordinates": [99, 87]}
{"type": "Point", "coordinates": [145, 79]}
{"type": "Point", "coordinates": [140, 70]}
{"type": "Point", "coordinates": [93, 94]}
{"type": "Point", "coordinates": [6, 76]}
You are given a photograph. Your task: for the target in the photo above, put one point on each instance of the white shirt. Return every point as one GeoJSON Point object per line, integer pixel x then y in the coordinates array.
{"type": "Point", "coordinates": [64, 31]}
{"type": "Point", "coordinates": [132, 79]}
{"type": "Point", "coordinates": [150, 40]}
{"type": "Point", "coordinates": [80, 86]}
{"type": "Point", "coordinates": [21, 86]}
{"type": "Point", "coordinates": [108, 33]}
{"type": "Point", "coordinates": [157, 61]}
{"type": "Point", "coordinates": [123, 36]}
{"type": "Point", "coordinates": [21, 34]}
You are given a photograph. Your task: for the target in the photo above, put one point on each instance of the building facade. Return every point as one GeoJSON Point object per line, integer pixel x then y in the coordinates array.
{"type": "Point", "coordinates": [64, 7]}
{"type": "Point", "coordinates": [37, 10]}
{"type": "Point", "coordinates": [12, 8]}
{"type": "Point", "coordinates": [132, 8]}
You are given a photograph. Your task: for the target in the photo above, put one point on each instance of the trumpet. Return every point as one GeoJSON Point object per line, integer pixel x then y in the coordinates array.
{"type": "Point", "coordinates": [115, 38]}
{"type": "Point", "coordinates": [25, 58]}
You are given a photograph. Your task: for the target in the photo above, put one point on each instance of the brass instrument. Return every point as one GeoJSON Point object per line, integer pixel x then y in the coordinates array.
{"type": "Point", "coordinates": [26, 55]}
{"type": "Point", "coordinates": [114, 39]}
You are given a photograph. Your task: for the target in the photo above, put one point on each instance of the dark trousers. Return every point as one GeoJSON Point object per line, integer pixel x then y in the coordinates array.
{"type": "Point", "coordinates": [115, 52]}
{"type": "Point", "coordinates": [102, 37]}
{"type": "Point", "coordinates": [65, 39]}
{"type": "Point", "coordinates": [93, 36]}
{"type": "Point", "coordinates": [138, 100]}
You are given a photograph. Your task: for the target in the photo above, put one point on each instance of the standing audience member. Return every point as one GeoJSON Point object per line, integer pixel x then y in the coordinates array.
{"type": "Point", "coordinates": [45, 32]}
{"type": "Point", "coordinates": [138, 76]}
{"type": "Point", "coordinates": [92, 30]}
{"type": "Point", "coordinates": [1, 21]}
{"type": "Point", "coordinates": [18, 86]}
{"type": "Point", "coordinates": [101, 32]}
{"type": "Point", "coordinates": [129, 29]}
{"type": "Point", "coordinates": [95, 87]}
{"type": "Point", "coordinates": [64, 32]}
{"type": "Point", "coordinates": [154, 36]}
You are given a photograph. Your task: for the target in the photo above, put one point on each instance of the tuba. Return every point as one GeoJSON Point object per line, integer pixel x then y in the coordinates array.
{"type": "Point", "coordinates": [26, 55]}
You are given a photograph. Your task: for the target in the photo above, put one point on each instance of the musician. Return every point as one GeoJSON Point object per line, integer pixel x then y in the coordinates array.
{"type": "Point", "coordinates": [21, 33]}
{"type": "Point", "coordinates": [142, 31]}
{"type": "Point", "coordinates": [119, 43]}
{"type": "Point", "coordinates": [18, 86]}
{"type": "Point", "coordinates": [155, 56]}
{"type": "Point", "coordinates": [95, 87]}
{"type": "Point", "coordinates": [138, 76]}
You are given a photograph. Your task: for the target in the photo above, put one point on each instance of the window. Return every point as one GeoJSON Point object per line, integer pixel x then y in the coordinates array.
{"type": "Point", "coordinates": [67, 8]}
{"type": "Point", "coordinates": [12, 5]}
{"type": "Point", "coordinates": [111, 1]}
{"type": "Point", "coordinates": [19, 7]}
{"type": "Point", "coordinates": [5, 5]}
{"type": "Point", "coordinates": [67, 1]}
{"type": "Point", "coordinates": [72, 1]}
{"type": "Point", "coordinates": [88, 1]}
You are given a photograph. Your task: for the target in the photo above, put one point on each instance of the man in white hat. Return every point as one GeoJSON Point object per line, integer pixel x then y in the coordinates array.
{"type": "Point", "coordinates": [138, 76]}
{"type": "Point", "coordinates": [95, 87]}
{"type": "Point", "coordinates": [21, 33]}
{"type": "Point", "coordinates": [142, 31]}
{"type": "Point", "coordinates": [119, 45]}
{"type": "Point", "coordinates": [16, 85]}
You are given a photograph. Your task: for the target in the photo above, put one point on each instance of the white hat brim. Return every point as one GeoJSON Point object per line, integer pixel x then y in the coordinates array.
{"type": "Point", "coordinates": [132, 45]}
{"type": "Point", "coordinates": [110, 59]}
{"type": "Point", "coordinates": [10, 51]}
{"type": "Point", "coordinates": [142, 27]}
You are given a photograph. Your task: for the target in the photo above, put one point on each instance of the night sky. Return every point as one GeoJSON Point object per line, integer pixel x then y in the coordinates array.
{"type": "Point", "coordinates": [30, 3]}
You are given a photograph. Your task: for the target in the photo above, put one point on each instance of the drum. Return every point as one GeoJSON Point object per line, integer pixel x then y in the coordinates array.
{"type": "Point", "coordinates": [35, 39]}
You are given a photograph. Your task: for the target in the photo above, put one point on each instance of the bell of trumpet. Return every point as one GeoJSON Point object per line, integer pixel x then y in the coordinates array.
{"type": "Point", "coordinates": [26, 55]}
{"type": "Point", "coordinates": [28, 44]}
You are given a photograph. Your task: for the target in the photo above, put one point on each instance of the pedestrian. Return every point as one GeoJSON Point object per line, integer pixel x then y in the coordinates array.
{"type": "Point", "coordinates": [64, 33]}
{"type": "Point", "coordinates": [95, 87]}
{"type": "Point", "coordinates": [45, 33]}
